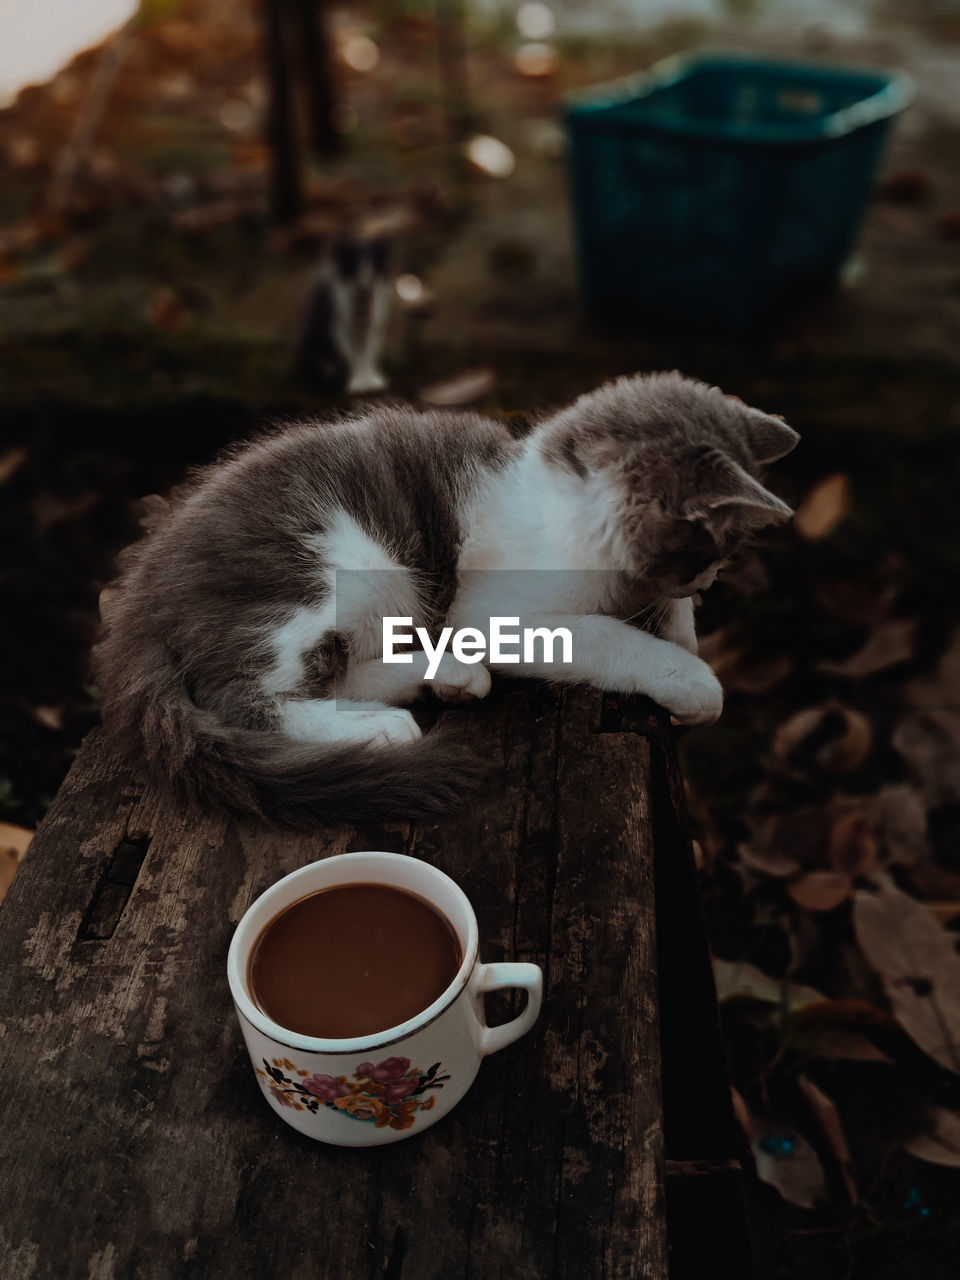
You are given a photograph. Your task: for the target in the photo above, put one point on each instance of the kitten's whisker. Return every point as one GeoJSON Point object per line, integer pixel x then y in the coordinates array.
{"type": "Point", "coordinates": [644, 612]}
{"type": "Point", "coordinates": [651, 615]}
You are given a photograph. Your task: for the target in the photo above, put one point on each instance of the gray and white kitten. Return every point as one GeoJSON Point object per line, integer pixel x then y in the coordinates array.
{"type": "Point", "coordinates": [241, 657]}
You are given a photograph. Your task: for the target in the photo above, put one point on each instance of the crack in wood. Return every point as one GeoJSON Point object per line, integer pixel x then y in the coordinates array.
{"type": "Point", "coordinates": [396, 1255]}
{"type": "Point", "coordinates": [113, 890]}
{"type": "Point", "coordinates": [698, 1168]}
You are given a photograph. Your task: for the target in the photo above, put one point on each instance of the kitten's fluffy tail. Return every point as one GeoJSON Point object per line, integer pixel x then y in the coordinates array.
{"type": "Point", "coordinates": [261, 774]}
{"type": "Point", "coordinates": [303, 785]}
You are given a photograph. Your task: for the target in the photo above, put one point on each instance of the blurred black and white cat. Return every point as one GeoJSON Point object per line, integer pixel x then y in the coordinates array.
{"type": "Point", "coordinates": [345, 314]}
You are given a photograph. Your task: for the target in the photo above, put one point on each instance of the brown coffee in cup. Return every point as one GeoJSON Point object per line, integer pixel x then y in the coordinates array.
{"type": "Point", "coordinates": [352, 960]}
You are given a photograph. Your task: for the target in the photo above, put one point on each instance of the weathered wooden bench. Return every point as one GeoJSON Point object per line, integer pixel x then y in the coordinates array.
{"type": "Point", "coordinates": [135, 1139]}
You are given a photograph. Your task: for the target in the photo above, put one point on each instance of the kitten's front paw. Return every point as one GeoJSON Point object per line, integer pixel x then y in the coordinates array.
{"type": "Point", "coordinates": [697, 696]}
{"type": "Point", "coordinates": [392, 726]}
{"type": "Point", "coordinates": [461, 681]}
{"type": "Point", "coordinates": [678, 626]}
{"type": "Point", "coordinates": [683, 636]}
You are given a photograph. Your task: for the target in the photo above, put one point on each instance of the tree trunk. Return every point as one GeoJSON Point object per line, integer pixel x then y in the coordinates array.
{"type": "Point", "coordinates": [316, 65]}
{"type": "Point", "coordinates": [286, 184]}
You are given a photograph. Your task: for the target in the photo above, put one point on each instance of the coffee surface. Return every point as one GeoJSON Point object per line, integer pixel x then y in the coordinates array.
{"type": "Point", "coordinates": [352, 960]}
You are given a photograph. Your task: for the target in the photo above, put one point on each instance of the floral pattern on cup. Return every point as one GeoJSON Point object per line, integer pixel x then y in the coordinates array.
{"type": "Point", "coordinates": [386, 1094]}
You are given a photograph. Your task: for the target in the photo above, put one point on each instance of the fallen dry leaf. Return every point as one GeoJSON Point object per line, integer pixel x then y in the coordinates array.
{"type": "Point", "coordinates": [15, 838]}
{"type": "Point", "coordinates": [893, 641]}
{"type": "Point", "coordinates": [830, 738]}
{"type": "Point", "coordinates": [945, 912]}
{"type": "Point", "coordinates": [784, 843]}
{"type": "Point", "coordinates": [917, 963]}
{"type": "Point", "coordinates": [52, 717]}
{"type": "Point", "coordinates": [929, 742]}
{"type": "Point", "coordinates": [852, 843]}
{"type": "Point", "coordinates": [846, 1045]}
{"type": "Point", "coordinates": [741, 1113]}
{"type": "Point", "coordinates": [11, 462]}
{"type": "Point", "coordinates": [941, 1143]}
{"type": "Point", "coordinates": [9, 862]}
{"type": "Point", "coordinates": [828, 1118]}
{"type": "Point", "coordinates": [821, 890]}
{"type": "Point", "coordinates": [13, 845]}
{"type": "Point", "coordinates": [786, 1160]}
{"type": "Point", "coordinates": [823, 508]}
{"type": "Point", "coordinates": [848, 1014]}
{"type": "Point", "coordinates": [942, 690]}
{"type": "Point", "coordinates": [737, 980]}
{"type": "Point", "coordinates": [899, 819]}
{"type": "Point", "coordinates": [462, 388]}
{"type": "Point", "coordinates": [930, 880]}
{"type": "Point", "coordinates": [767, 861]}
{"type": "Point", "coordinates": [850, 835]}
{"type": "Point", "coordinates": [802, 934]}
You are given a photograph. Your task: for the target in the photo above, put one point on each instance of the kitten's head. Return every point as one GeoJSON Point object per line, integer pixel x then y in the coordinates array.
{"type": "Point", "coordinates": [674, 465]}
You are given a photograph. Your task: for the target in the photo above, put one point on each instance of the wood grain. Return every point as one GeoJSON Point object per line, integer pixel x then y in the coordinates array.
{"type": "Point", "coordinates": [136, 1141]}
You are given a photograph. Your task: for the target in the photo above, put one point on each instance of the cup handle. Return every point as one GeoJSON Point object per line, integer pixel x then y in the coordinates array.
{"type": "Point", "coordinates": [495, 977]}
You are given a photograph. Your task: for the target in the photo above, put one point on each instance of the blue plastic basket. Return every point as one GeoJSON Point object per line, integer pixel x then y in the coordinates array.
{"type": "Point", "coordinates": [714, 188]}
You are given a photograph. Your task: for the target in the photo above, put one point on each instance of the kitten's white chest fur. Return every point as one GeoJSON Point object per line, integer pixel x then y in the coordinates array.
{"type": "Point", "coordinates": [557, 540]}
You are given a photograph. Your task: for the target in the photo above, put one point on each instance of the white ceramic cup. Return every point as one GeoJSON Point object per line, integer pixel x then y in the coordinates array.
{"type": "Point", "coordinates": [378, 1088]}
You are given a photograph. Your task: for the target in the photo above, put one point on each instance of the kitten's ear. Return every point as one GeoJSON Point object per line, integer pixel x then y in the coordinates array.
{"type": "Point", "coordinates": [769, 437]}
{"type": "Point", "coordinates": [722, 485]}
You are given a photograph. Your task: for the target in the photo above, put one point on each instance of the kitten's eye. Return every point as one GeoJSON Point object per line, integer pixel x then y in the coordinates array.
{"type": "Point", "coordinates": [348, 258]}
